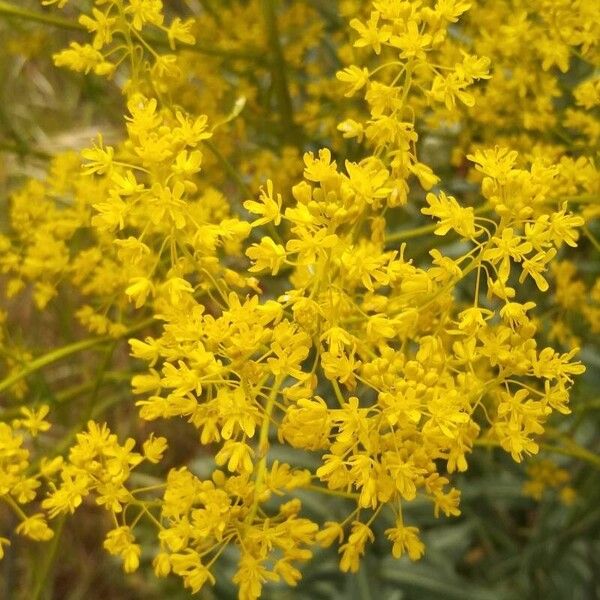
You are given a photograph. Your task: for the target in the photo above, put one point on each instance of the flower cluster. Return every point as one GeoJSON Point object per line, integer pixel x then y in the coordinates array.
{"type": "Point", "coordinates": [276, 297]}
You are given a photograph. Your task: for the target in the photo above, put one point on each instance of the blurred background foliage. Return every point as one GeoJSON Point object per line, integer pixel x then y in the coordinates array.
{"type": "Point", "coordinates": [505, 545]}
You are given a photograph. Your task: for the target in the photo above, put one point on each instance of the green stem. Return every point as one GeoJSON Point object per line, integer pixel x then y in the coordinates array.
{"type": "Point", "coordinates": [401, 236]}
{"type": "Point", "coordinates": [9, 10]}
{"type": "Point", "coordinates": [16, 508]}
{"type": "Point", "coordinates": [41, 582]}
{"type": "Point", "coordinates": [263, 449]}
{"type": "Point", "coordinates": [591, 237]}
{"type": "Point", "coordinates": [323, 490]}
{"type": "Point", "coordinates": [590, 405]}
{"type": "Point", "coordinates": [109, 378]}
{"type": "Point", "coordinates": [279, 71]}
{"type": "Point", "coordinates": [65, 351]}
{"type": "Point", "coordinates": [408, 234]}
{"type": "Point", "coordinates": [338, 392]}
{"type": "Point", "coordinates": [407, 84]}
{"type": "Point", "coordinates": [17, 12]}
{"type": "Point", "coordinates": [24, 150]}
{"type": "Point", "coordinates": [247, 54]}
{"type": "Point", "coordinates": [230, 169]}
{"type": "Point", "coordinates": [68, 394]}
{"type": "Point", "coordinates": [364, 585]}
{"type": "Point", "coordinates": [572, 450]}
{"type": "Point", "coordinates": [98, 384]}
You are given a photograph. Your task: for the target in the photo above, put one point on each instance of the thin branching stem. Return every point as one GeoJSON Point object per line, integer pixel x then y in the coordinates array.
{"type": "Point", "coordinates": [64, 352]}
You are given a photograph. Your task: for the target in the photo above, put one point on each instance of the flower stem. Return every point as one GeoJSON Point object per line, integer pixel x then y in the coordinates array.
{"type": "Point", "coordinates": [409, 234]}
{"type": "Point", "coordinates": [9, 10]}
{"type": "Point", "coordinates": [48, 559]}
{"type": "Point", "coordinates": [38, 17]}
{"type": "Point", "coordinates": [243, 187]}
{"type": "Point", "coordinates": [591, 237]}
{"type": "Point", "coordinates": [572, 450]}
{"type": "Point", "coordinates": [279, 71]}
{"type": "Point", "coordinates": [60, 353]}
{"type": "Point", "coordinates": [16, 508]}
{"type": "Point", "coordinates": [263, 449]}
{"type": "Point", "coordinates": [24, 151]}
{"type": "Point", "coordinates": [323, 490]}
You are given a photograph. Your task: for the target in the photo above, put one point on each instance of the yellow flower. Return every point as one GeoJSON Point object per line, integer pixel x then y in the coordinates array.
{"type": "Point", "coordinates": [120, 542]}
{"type": "Point", "coordinates": [101, 25]}
{"type": "Point", "coordinates": [354, 548]}
{"type": "Point", "coordinates": [237, 455]}
{"type": "Point", "coordinates": [451, 215]}
{"type": "Point", "coordinates": [266, 255]}
{"type": "Point", "coordinates": [101, 158]}
{"type": "Point", "coordinates": [364, 340]}
{"type": "Point", "coordinates": [154, 448]}
{"type": "Point", "coordinates": [33, 420]}
{"type": "Point", "coordinates": [35, 528]}
{"type": "Point", "coordinates": [268, 206]}
{"type": "Point", "coordinates": [138, 290]}
{"type": "Point", "coordinates": [371, 34]}
{"type": "Point", "coordinates": [355, 77]}
{"type": "Point", "coordinates": [179, 31]}
{"type": "Point", "coordinates": [406, 540]}
{"type": "Point", "coordinates": [412, 43]}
